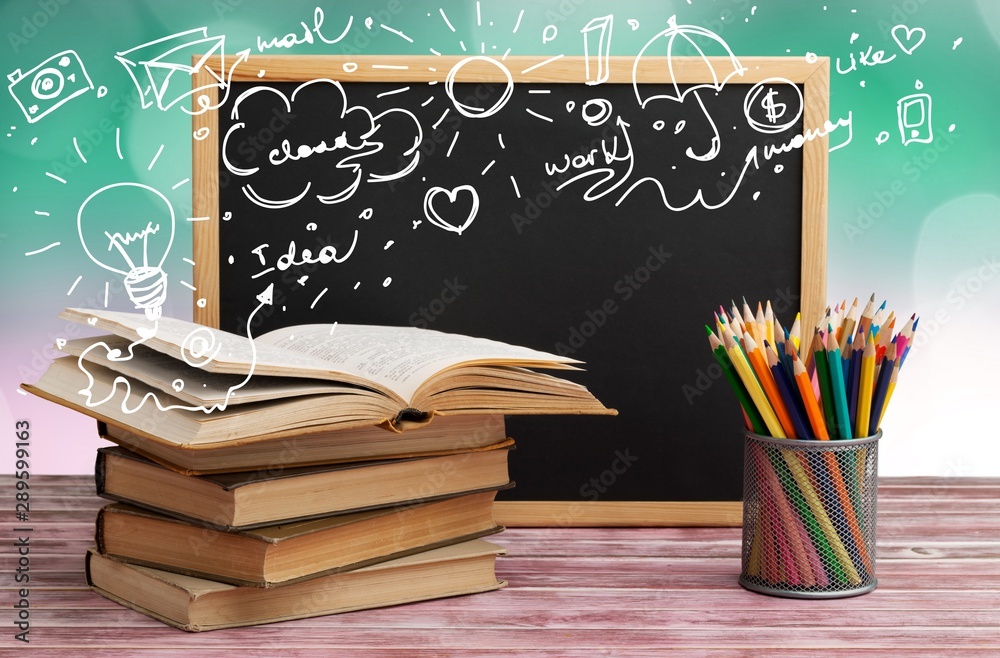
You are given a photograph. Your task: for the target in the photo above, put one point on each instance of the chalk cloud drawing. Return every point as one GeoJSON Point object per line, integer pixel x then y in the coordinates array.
{"type": "Point", "coordinates": [348, 135]}
{"type": "Point", "coordinates": [431, 207]}
{"type": "Point", "coordinates": [128, 228]}
{"type": "Point", "coordinates": [49, 85]}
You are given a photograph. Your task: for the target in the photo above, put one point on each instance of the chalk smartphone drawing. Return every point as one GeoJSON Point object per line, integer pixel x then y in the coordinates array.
{"type": "Point", "coordinates": [564, 202]}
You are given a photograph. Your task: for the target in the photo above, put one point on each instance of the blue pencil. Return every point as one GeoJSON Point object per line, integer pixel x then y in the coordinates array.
{"type": "Point", "coordinates": [837, 388]}
{"type": "Point", "coordinates": [881, 387]}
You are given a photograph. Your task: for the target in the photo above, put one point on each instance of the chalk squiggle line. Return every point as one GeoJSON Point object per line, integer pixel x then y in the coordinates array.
{"type": "Point", "coordinates": [115, 355]}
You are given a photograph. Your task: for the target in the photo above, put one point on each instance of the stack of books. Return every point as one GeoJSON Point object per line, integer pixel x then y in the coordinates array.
{"type": "Point", "coordinates": [312, 470]}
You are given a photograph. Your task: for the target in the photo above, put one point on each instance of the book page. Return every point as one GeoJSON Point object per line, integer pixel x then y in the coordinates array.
{"type": "Point", "coordinates": [193, 385]}
{"type": "Point", "coordinates": [210, 349]}
{"type": "Point", "coordinates": [401, 358]}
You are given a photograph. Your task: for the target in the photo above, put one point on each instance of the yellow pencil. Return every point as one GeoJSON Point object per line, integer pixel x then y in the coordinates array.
{"type": "Point", "coordinates": [795, 333]}
{"type": "Point", "coordinates": [865, 387]}
{"type": "Point", "coordinates": [745, 372]}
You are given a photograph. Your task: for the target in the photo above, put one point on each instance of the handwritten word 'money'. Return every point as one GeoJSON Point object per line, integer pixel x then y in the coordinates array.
{"type": "Point", "coordinates": [284, 154]}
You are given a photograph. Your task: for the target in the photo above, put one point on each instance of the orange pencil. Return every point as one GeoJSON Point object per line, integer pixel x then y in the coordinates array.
{"type": "Point", "coordinates": [813, 411]}
{"type": "Point", "coordinates": [759, 363]}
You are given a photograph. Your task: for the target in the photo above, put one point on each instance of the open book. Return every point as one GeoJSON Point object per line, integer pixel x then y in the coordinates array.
{"type": "Point", "coordinates": [194, 384]}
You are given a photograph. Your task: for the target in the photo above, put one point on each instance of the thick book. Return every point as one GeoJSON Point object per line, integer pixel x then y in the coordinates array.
{"type": "Point", "coordinates": [280, 554]}
{"type": "Point", "coordinates": [446, 435]}
{"type": "Point", "coordinates": [334, 377]}
{"type": "Point", "coordinates": [266, 497]}
{"type": "Point", "coordinates": [197, 604]}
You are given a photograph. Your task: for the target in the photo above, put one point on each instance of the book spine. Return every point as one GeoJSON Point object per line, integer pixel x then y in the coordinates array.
{"type": "Point", "coordinates": [86, 569]}
{"type": "Point", "coordinates": [99, 472]}
{"type": "Point", "coordinates": [99, 532]}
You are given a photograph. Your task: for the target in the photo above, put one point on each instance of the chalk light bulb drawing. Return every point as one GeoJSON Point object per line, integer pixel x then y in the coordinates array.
{"type": "Point", "coordinates": [128, 228]}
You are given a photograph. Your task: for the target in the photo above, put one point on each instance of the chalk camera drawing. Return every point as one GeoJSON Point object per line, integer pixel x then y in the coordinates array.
{"type": "Point", "coordinates": [50, 84]}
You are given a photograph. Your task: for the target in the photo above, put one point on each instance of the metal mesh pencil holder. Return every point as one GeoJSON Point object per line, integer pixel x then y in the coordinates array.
{"type": "Point", "coordinates": [809, 516]}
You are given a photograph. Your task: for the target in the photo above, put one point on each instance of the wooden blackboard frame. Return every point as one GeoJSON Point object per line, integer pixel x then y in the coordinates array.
{"type": "Point", "coordinates": [814, 77]}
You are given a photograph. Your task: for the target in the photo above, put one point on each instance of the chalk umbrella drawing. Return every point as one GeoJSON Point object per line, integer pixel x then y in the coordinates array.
{"type": "Point", "coordinates": [701, 43]}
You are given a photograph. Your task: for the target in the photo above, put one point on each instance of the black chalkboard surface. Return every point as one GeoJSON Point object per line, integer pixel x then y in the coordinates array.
{"type": "Point", "coordinates": [563, 216]}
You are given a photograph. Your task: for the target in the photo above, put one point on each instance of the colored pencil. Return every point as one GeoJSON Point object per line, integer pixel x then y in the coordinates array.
{"type": "Point", "coordinates": [759, 363]}
{"type": "Point", "coordinates": [825, 392]}
{"type": "Point", "coordinates": [785, 390]}
{"type": "Point", "coordinates": [837, 389]}
{"type": "Point", "coordinates": [865, 386]}
{"type": "Point", "coordinates": [881, 388]}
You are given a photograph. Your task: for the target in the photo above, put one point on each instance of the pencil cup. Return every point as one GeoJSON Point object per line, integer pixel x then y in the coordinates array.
{"type": "Point", "coordinates": [809, 516]}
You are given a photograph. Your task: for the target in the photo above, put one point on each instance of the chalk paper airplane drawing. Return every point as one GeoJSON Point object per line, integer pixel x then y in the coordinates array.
{"type": "Point", "coordinates": [162, 69]}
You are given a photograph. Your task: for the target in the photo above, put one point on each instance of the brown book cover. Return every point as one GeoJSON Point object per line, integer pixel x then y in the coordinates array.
{"type": "Point", "coordinates": [265, 497]}
{"type": "Point", "coordinates": [285, 553]}
{"type": "Point", "coordinates": [197, 604]}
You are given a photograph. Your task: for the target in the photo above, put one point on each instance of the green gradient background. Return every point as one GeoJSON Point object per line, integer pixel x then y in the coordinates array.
{"type": "Point", "coordinates": [923, 248]}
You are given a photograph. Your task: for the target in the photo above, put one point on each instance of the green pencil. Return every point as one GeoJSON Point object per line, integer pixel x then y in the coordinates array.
{"type": "Point", "coordinates": [719, 350]}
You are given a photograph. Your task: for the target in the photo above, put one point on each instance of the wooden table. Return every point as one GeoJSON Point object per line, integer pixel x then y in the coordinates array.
{"type": "Point", "coordinates": [577, 591]}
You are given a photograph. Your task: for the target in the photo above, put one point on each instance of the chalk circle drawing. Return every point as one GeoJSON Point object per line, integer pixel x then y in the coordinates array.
{"type": "Point", "coordinates": [114, 222]}
{"type": "Point", "coordinates": [696, 39]}
{"type": "Point", "coordinates": [163, 70]}
{"type": "Point", "coordinates": [597, 47]}
{"type": "Point", "coordinates": [549, 33]}
{"type": "Point", "coordinates": [348, 148]}
{"type": "Point", "coordinates": [472, 111]}
{"type": "Point", "coordinates": [432, 215]}
{"type": "Point", "coordinates": [201, 133]}
{"type": "Point", "coordinates": [913, 115]}
{"type": "Point", "coordinates": [777, 117]}
{"type": "Point", "coordinates": [908, 39]}
{"type": "Point", "coordinates": [596, 111]}
{"type": "Point", "coordinates": [633, 23]}
{"type": "Point", "coordinates": [882, 137]}
{"type": "Point", "coordinates": [199, 343]}
{"type": "Point", "coordinates": [49, 85]}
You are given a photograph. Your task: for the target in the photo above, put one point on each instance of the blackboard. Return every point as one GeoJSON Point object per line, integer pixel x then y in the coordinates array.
{"type": "Point", "coordinates": [464, 203]}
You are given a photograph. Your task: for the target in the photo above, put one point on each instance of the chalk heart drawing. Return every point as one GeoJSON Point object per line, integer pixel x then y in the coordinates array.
{"type": "Point", "coordinates": [908, 39]}
{"type": "Point", "coordinates": [433, 200]}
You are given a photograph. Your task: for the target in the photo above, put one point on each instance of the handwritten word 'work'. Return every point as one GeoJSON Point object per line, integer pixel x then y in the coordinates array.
{"type": "Point", "coordinates": [614, 151]}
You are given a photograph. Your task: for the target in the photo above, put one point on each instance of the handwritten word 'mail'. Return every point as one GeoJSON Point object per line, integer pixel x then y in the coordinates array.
{"type": "Point", "coordinates": [291, 39]}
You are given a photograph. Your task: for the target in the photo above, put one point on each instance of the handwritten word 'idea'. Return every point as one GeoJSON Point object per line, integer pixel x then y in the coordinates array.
{"type": "Point", "coordinates": [291, 258]}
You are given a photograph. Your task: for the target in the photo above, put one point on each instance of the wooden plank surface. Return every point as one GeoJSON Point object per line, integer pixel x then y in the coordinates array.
{"type": "Point", "coordinates": [572, 591]}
